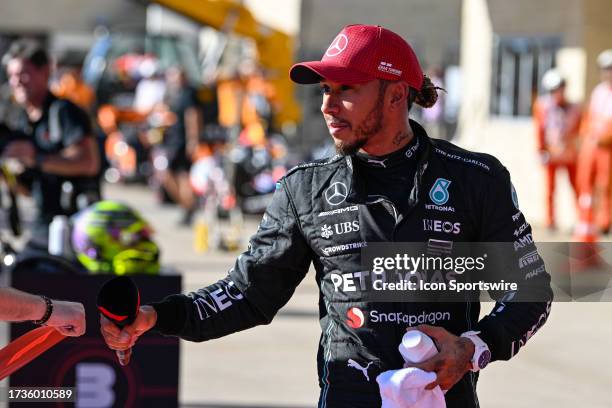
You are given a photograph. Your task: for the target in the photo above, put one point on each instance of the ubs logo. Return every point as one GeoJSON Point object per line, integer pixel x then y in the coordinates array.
{"type": "Point", "coordinates": [336, 193]}
{"type": "Point", "coordinates": [339, 229]}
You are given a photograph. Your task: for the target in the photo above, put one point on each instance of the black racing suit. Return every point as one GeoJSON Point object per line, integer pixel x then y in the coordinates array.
{"type": "Point", "coordinates": [322, 213]}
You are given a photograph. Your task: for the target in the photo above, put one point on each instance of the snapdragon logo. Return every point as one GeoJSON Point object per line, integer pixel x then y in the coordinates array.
{"type": "Point", "coordinates": [356, 319]}
{"type": "Point", "coordinates": [409, 319]}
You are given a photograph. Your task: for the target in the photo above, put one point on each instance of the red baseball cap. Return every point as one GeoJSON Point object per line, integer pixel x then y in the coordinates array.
{"type": "Point", "coordinates": [362, 53]}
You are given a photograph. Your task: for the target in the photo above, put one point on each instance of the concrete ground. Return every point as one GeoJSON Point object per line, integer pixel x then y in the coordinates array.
{"type": "Point", "coordinates": [567, 364]}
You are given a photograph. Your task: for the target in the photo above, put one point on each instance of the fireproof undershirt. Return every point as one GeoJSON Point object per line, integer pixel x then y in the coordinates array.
{"type": "Point", "coordinates": [391, 175]}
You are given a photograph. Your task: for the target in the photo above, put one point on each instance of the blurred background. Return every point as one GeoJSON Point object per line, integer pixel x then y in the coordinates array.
{"type": "Point", "coordinates": [140, 69]}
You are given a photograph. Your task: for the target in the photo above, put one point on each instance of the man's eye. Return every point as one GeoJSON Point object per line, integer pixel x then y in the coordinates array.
{"type": "Point", "coordinates": [324, 89]}
{"type": "Point", "coordinates": [346, 87]}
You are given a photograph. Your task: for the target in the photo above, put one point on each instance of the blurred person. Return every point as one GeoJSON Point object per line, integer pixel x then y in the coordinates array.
{"type": "Point", "coordinates": [66, 317]}
{"type": "Point", "coordinates": [388, 183]}
{"type": "Point", "coordinates": [180, 140]}
{"type": "Point", "coordinates": [61, 157]}
{"type": "Point", "coordinates": [70, 84]}
{"type": "Point", "coordinates": [151, 88]}
{"type": "Point", "coordinates": [594, 169]}
{"type": "Point", "coordinates": [256, 102]}
{"type": "Point", "coordinates": [557, 122]}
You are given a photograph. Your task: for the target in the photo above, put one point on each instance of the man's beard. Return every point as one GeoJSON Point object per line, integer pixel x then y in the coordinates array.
{"type": "Point", "coordinates": [369, 127]}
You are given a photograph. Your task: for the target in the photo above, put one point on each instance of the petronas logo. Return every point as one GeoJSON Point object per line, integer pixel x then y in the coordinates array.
{"type": "Point", "coordinates": [514, 196]}
{"type": "Point", "coordinates": [439, 191]}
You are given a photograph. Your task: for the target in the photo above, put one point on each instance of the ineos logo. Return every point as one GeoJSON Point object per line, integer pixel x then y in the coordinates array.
{"type": "Point", "coordinates": [337, 46]}
{"type": "Point", "coordinates": [336, 193]}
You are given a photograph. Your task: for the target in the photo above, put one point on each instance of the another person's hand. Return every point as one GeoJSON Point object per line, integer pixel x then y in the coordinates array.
{"type": "Point", "coordinates": [123, 340]}
{"type": "Point", "coordinates": [68, 318]}
{"type": "Point", "coordinates": [453, 359]}
{"type": "Point", "coordinates": [21, 150]}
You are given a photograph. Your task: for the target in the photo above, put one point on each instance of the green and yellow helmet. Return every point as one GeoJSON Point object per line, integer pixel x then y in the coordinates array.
{"type": "Point", "coordinates": [111, 237]}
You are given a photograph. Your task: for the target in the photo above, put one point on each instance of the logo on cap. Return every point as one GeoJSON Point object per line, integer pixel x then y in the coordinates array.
{"type": "Point", "coordinates": [337, 46]}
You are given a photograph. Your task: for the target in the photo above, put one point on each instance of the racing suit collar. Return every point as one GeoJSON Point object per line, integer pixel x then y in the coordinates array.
{"type": "Point", "coordinates": [392, 160]}
{"type": "Point", "coordinates": [357, 189]}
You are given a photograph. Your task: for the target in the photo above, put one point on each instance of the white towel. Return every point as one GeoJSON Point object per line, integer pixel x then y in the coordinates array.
{"type": "Point", "coordinates": [405, 388]}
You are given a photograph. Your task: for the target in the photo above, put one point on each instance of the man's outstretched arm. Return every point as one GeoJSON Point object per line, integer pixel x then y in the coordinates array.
{"type": "Point", "coordinates": [262, 281]}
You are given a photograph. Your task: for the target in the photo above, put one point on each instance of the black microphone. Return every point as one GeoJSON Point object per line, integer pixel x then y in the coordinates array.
{"type": "Point", "coordinates": [119, 301]}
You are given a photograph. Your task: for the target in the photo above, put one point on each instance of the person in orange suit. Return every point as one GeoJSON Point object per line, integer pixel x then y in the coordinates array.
{"type": "Point", "coordinates": [557, 122]}
{"type": "Point", "coordinates": [71, 86]}
{"type": "Point", "coordinates": [595, 158]}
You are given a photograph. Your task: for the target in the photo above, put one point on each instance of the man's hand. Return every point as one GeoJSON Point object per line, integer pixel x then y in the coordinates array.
{"type": "Point", "coordinates": [68, 318]}
{"type": "Point", "coordinates": [122, 340]}
{"type": "Point", "coordinates": [21, 150]}
{"type": "Point", "coordinates": [453, 359]}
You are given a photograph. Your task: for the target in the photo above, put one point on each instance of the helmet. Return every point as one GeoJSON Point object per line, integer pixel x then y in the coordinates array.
{"type": "Point", "coordinates": [604, 60]}
{"type": "Point", "coordinates": [110, 237]}
{"type": "Point", "coordinates": [552, 80]}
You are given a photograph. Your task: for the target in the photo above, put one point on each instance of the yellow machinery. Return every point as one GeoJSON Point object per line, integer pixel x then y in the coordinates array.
{"type": "Point", "coordinates": [275, 48]}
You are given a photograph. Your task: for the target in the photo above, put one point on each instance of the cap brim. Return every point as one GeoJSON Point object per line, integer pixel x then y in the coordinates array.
{"type": "Point", "coordinates": [313, 72]}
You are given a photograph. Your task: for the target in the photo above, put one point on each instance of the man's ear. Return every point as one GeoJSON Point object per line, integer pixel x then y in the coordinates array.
{"type": "Point", "coordinates": [399, 94]}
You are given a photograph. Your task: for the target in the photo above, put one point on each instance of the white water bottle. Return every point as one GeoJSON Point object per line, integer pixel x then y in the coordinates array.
{"type": "Point", "coordinates": [59, 236]}
{"type": "Point", "coordinates": [417, 347]}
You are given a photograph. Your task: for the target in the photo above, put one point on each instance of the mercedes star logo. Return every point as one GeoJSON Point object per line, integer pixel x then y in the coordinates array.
{"type": "Point", "coordinates": [336, 193]}
{"type": "Point", "coordinates": [337, 46]}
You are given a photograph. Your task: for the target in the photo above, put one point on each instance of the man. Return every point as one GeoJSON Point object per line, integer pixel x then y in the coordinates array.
{"type": "Point", "coordinates": [61, 157]}
{"type": "Point", "coordinates": [595, 158]}
{"type": "Point", "coordinates": [67, 317]}
{"type": "Point", "coordinates": [556, 122]}
{"type": "Point", "coordinates": [181, 140]}
{"type": "Point", "coordinates": [389, 182]}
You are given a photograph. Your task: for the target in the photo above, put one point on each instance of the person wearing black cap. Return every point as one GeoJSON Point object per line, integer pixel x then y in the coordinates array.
{"type": "Point", "coordinates": [389, 182]}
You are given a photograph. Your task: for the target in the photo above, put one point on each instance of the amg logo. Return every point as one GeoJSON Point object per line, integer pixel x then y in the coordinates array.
{"type": "Point", "coordinates": [338, 211]}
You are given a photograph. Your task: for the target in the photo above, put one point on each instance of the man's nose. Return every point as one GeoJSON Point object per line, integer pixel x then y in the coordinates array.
{"type": "Point", "coordinates": [329, 105]}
